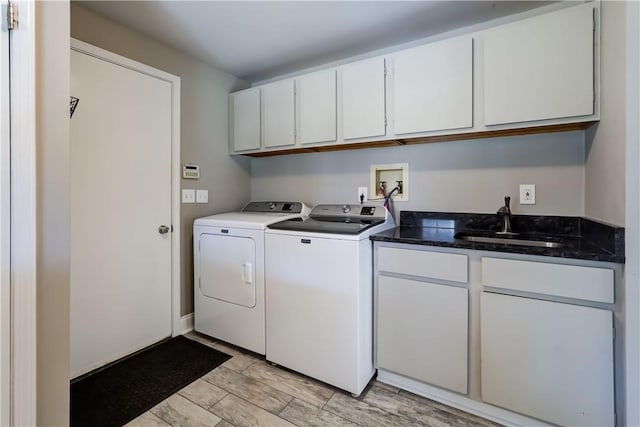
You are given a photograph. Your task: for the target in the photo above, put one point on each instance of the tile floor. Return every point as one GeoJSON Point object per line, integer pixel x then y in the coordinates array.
{"type": "Point", "coordinates": [248, 391]}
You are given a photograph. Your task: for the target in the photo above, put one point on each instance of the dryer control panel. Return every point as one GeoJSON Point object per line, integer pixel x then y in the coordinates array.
{"type": "Point", "coordinates": [280, 207]}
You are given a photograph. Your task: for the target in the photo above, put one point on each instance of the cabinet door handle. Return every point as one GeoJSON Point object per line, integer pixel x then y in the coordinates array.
{"type": "Point", "coordinates": [306, 241]}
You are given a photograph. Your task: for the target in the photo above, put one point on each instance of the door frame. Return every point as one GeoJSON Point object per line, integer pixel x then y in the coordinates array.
{"type": "Point", "coordinates": [23, 395]}
{"type": "Point", "coordinates": [5, 231]}
{"type": "Point", "coordinates": [96, 52]}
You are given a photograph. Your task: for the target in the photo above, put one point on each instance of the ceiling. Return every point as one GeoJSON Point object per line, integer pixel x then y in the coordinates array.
{"type": "Point", "coordinates": [258, 40]}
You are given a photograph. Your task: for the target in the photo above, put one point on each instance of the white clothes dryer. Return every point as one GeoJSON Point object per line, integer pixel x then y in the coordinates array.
{"type": "Point", "coordinates": [229, 291]}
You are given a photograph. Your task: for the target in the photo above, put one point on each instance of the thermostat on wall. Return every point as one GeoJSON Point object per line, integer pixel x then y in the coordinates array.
{"type": "Point", "coordinates": [191, 171]}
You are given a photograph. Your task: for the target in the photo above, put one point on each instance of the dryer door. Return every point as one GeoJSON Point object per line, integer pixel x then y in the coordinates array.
{"type": "Point", "coordinates": [227, 266]}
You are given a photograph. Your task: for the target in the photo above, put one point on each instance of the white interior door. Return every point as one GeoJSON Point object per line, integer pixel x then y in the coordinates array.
{"type": "Point", "coordinates": [5, 283]}
{"type": "Point", "coordinates": [120, 196]}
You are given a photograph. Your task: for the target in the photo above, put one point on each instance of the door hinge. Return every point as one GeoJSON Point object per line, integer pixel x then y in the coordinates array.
{"type": "Point", "coordinates": [12, 16]}
{"type": "Point", "coordinates": [295, 102]}
{"type": "Point", "coordinates": [614, 333]}
{"type": "Point", "coordinates": [385, 69]}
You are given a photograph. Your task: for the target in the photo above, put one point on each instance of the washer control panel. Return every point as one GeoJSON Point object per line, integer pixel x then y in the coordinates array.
{"type": "Point", "coordinates": [346, 211]}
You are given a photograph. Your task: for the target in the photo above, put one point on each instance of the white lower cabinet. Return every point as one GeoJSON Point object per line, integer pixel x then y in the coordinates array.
{"type": "Point", "coordinates": [423, 331]}
{"type": "Point", "coordinates": [521, 340]}
{"type": "Point", "coordinates": [548, 360]}
{"type": "Point", "coordinates": [422, 320]}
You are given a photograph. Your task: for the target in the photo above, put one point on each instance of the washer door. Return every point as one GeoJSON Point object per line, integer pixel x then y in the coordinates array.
{"type": "Point", "coordinates": [227, 265]}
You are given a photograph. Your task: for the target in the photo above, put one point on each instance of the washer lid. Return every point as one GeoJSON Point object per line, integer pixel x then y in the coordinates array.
{"type": "Point", "coordinates": [334, 225]}
{"type": "Point", "coordinates": [337, 219]}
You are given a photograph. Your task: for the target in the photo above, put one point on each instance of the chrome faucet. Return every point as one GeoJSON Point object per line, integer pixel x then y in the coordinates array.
{"type": "Point", "coordinates": [505, 213]}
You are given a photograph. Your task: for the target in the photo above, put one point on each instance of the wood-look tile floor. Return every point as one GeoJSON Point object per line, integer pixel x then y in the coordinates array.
{"type": "Point", "coordinates": [247, 391]}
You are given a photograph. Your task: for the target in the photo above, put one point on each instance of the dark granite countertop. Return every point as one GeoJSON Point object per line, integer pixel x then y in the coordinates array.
{"type": "Point", "coordinates": [581, 238]}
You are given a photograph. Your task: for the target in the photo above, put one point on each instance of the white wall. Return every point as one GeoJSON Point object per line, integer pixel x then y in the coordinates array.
{"type": "Point", "coordinates": [605, 147]}
{"type": "Point", "coordinates": [632, 244]}
{"type": "Point", "coordinates": [203, 127]}
{"type": "Point", "coordinates": [462, 176]}
{"type": "Point", "coordinates": [52, 151]}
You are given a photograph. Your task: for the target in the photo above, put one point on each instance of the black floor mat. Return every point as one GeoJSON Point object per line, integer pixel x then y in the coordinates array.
{"type": "Point", "coordinates": [118, 394]}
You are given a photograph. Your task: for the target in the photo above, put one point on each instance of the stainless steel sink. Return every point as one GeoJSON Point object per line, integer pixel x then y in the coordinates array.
{"type": "Point", "coordinates": [508, 240]}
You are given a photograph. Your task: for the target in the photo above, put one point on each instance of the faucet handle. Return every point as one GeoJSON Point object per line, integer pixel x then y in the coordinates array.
{"type": "Point", "coordinates": [507, 200]}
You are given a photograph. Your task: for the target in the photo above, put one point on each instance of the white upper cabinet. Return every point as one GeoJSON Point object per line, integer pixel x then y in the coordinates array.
{"type": "Point", "coordinates": [433, 87]}
{"type": "Point", "coordinates": [538, 71]}
{"type": "Point", "coordinates": [540, 68]}
{"type": "Point", "coordinates": [363, 99]}
{"type": "Point", "coordinates": [278, 114]}
{"type": "Point", "coordinates": [245, 112]}
{"type": "Point", "coordinates": [317, 107]}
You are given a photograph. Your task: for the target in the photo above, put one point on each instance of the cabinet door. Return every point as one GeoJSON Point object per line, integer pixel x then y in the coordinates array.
{"type": "Point", "coordinates": [422, 331]}
{"type": "Point", "coordinates": [363, 99]}
{"type": "Point", "coordinates": [317, 107]}
{"type": "Point", "coordinates": [245, 107]}
{"type": "Point", "coordinates": [278, 114]}
{"type": "Point", "coordinates": [549, 360]}
{"type": "Point", "coordinates": [433, 87]}
{"type": "Point", "coordinates": [540, 68]}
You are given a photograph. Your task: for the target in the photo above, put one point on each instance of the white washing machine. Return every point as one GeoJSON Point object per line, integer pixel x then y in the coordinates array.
{"type": "Point", "coordinates": [319, 281]}
{"type": "Point", "coordinates": [229, 272]}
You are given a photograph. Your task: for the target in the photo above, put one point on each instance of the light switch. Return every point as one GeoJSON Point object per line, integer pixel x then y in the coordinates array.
{"type": "Point", "coordinates": [202, 196]}
{"type": "Point", "coordinates": [188, 195]}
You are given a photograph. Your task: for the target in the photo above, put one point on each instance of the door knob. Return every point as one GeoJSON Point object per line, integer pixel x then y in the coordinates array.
{"type": "Point", "coordinates": [163, 229]}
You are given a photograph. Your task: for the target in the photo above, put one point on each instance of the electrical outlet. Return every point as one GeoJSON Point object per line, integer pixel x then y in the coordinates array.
{"type": "Point", "coordinates": [362, 191]}
{"type": "Point", "coordinates": [527, 194]}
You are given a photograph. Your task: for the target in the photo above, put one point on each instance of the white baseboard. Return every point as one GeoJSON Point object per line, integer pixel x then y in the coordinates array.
{"type": "Point", "coordinates": [484, 410]}
{"type": "Point", "coordinates": [186, 324]}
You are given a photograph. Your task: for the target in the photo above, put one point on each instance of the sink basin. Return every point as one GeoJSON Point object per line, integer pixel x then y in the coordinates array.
{"type": "Point", "coordinates": [542, 243]}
